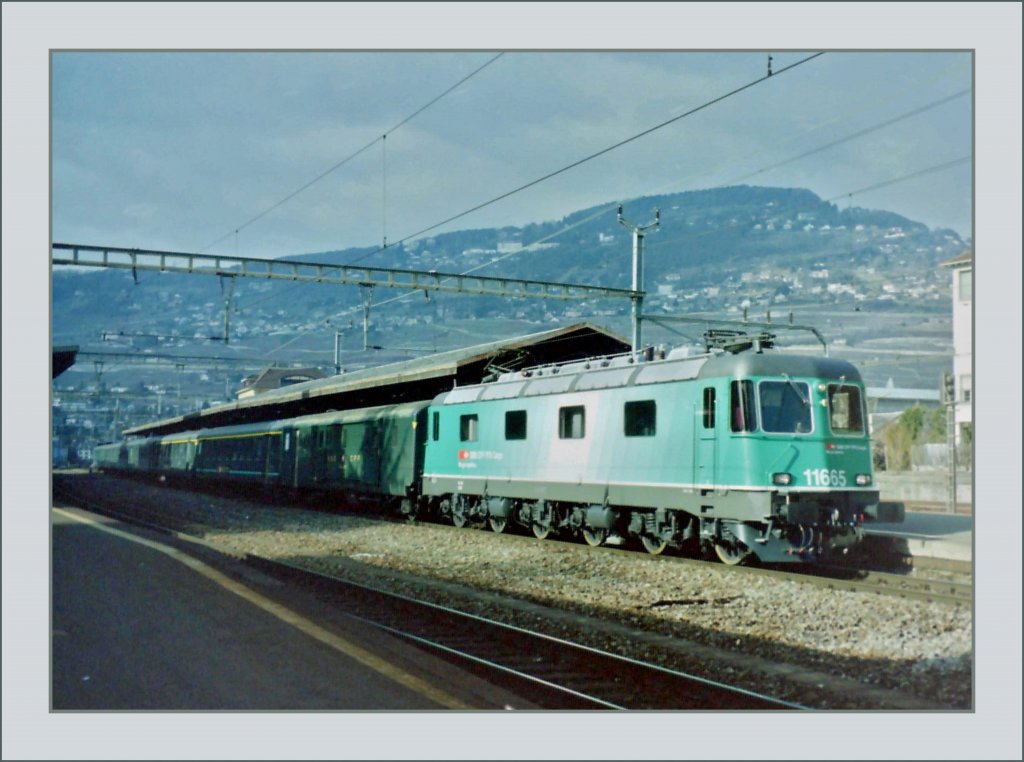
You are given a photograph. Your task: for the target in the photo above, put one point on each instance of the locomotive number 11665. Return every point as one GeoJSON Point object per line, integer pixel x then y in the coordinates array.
{"type": "Point", "coordinates": [824, 477]}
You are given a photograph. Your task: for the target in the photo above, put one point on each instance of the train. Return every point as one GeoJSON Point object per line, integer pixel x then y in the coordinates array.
{"type": "Point", "coordinates": [743, 453]}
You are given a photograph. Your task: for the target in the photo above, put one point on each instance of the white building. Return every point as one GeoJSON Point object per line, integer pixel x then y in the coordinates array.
{"type": "Point", "coordinates": [962, 267]}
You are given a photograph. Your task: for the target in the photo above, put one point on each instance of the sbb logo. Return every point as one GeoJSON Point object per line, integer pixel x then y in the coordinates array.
{"type": "Point", "coordinates": [463, 454]}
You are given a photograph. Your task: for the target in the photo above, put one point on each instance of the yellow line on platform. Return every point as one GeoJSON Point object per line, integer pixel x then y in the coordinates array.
{"type": "Point", "coordinates": [288, 616]}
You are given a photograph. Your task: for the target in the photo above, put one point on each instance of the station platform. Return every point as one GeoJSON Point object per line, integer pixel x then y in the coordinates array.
{"type": "Point", "coordinates": [927, 533]}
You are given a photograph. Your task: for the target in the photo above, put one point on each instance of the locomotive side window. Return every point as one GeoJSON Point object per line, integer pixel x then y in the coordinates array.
{"type": "Point", "coordinates": [640, 418]}
{"type": "Point", "coordinates": [709, 407]}
{"type": "Point", "coordinates": [468, 427]}
{"type": "Point", "coordinates": [436, 426]}
{"type": "Point", "coordinates": [741, 403]}
{"type": "Point", "coordinates": [515, 424]}
{"type": "Point", "coordinates": [845, 411]}
{"type": "Point", "coordinates": [571, 422]}
{"type": "Point", "coordinates": [785, 407]}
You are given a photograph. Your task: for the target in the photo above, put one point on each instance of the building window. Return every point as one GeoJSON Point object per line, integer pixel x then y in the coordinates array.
{"type": "Point", "coordinates": [515, 424]}
{"type": "Point", "coordinates": [966, 285]}
{"type": "Point", "coordinates": [468, 428]}
{"type": "Point", "coordinates": [571, 422]}
{"type": "Point", "coordinates": [709, 407]}
{"type": "Point", "coordinates": [640, 418]}
{"type": "Point", "coordinates": [966, 387]}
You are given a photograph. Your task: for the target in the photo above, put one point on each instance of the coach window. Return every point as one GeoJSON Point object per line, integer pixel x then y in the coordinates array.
{"type": "Point", "coordinates": [640, 418]}
{"type": "Point", "coordinates": [741, 405]}
{"type": "Point", "coordinates": [515, 424]}
{"type": "Point", "coordinates": [436, 427]}
{"type": "Point", "coordinates": [571, 422]}
{"type": "Point", "coordinates": [468, 428]}
{"type": "Point", "coordinates": [709, 407]}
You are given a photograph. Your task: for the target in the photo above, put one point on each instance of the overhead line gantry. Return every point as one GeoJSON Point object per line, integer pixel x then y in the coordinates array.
{"type": "Point", "coordinates": [193, 361]}
{"type": "Point", "coordinates": [310, 272]}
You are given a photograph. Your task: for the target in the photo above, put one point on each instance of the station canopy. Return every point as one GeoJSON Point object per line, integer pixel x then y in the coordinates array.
{"type": "Point", "coordinates": [411, 380]}
{"type": "Point", "coordinates": [62, 359]}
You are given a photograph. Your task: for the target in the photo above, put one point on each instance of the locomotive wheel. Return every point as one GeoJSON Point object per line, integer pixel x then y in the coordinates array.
{"type": "Point", "coordinates": [594, 537]}
{"type": "Point", "coordinates": [731, 555]}
{"type": "Point", "coordinates": [653, 545]}
{"type": "Point", "coordinates": [498, 524]}
{"type": "Point", "coordinates": [407, 510]}
{"type": "Point", "coordinates": [459, 514]}
{"type": "Point", "coordinates": [541, 532]}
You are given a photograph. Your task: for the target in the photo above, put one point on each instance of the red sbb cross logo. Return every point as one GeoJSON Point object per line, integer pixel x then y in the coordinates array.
{"type": "Point", "coordinates": [463, 454]}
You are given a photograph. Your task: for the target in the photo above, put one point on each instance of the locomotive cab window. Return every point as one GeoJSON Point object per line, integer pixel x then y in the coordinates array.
{"type": "Point", "coordinates": [515, 424]}
{"type": "Point", "coordinates": [785, 407]}
{"type": "Point", "coordinates": [741, 403]}
{"type": "Point", "coordinates": [709, 407]}
{"type": "Point", "coordinates": [845, 410]}
{"type": "Point", "coordinates": [571, 422]}
{"type": "Point", "coordinates": [435, 428]}
{"type": "Point", "coordinates": [469, 428]}
{"type": "Point", "coordinates": [640, 418]}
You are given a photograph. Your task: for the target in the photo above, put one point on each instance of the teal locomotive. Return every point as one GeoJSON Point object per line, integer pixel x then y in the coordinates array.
{"type": "Point", "coordinates": [746, 453]}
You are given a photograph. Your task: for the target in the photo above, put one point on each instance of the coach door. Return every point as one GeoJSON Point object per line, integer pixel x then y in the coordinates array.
{"type": "Point", "coordinates": [289, 452]}
{"type": "Point", "coordinates": [362, 460]}
{"type": "Point", "coordinates": [705, 428]}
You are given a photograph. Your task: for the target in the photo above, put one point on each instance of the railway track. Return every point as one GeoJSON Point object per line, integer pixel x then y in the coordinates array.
{"type": "Point", "coordinates": [547, 671]}
{"type": "Point", "coordinates": [848, 578]}
{"type": "Point", "coordinates": [882, 583]}
{"type": "Point", "coordinates": [551, 672]}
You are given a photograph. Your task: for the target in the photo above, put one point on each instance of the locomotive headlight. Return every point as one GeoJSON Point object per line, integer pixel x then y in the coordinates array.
{"type": "Point", "coordinates": [863, 480]}
{"type": "Point", "coordinates": [782, 479]}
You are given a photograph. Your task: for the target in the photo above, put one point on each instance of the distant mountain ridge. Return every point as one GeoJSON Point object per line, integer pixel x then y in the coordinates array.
{"type": "Point", "coordinates": [707, 238]}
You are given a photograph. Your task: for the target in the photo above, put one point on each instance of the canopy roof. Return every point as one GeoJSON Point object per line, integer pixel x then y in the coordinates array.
{"type": "Point", "coordinates": [422, 378]}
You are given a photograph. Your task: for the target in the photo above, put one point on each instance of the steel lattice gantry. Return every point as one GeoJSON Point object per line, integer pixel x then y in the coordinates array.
{"type": "Point", "coordinates": [273, 269]}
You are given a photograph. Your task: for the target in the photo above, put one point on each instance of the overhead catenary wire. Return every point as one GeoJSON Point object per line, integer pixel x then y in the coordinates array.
{"type": "Point", "coordinates": [596, 154]}
{"type": "Point", "coordinates": [352, 310]}
{"type": "Point", "coordinates": [351, 156]}
{"type": "Point", "coordinates": [661, 243]}
{"type": "Point", "coordinates": [732, 161]}
{"type": "Point", "coordinates": [603, 209]}
{"type": "Point", "coordinates": [852, 136]}
{"type": "Point", "coordinates": [901, 178]}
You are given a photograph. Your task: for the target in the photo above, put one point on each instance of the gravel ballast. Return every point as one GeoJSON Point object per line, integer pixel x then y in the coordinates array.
{"type": "Point", "coordinates": [823, 648]}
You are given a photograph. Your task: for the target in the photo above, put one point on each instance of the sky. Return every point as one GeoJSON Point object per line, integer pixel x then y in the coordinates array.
{"type": "Point", "coordinates": [178, 150]}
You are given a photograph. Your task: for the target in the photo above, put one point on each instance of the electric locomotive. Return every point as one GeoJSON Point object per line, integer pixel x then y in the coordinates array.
{"type": "Point", "coordinates": [748, 453]}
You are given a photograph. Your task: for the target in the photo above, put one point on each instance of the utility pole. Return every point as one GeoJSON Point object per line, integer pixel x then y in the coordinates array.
{"type": "Point", "coordinates": [366, 296]}
{"type": "Point", "coordinates": [337, 353]}
{"type": "Point", "coordinates": [227, 306]}
{"type": "Point", "coordinates": [949, 398]}
{"type": "Point", "coordinates": [638, 271]}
